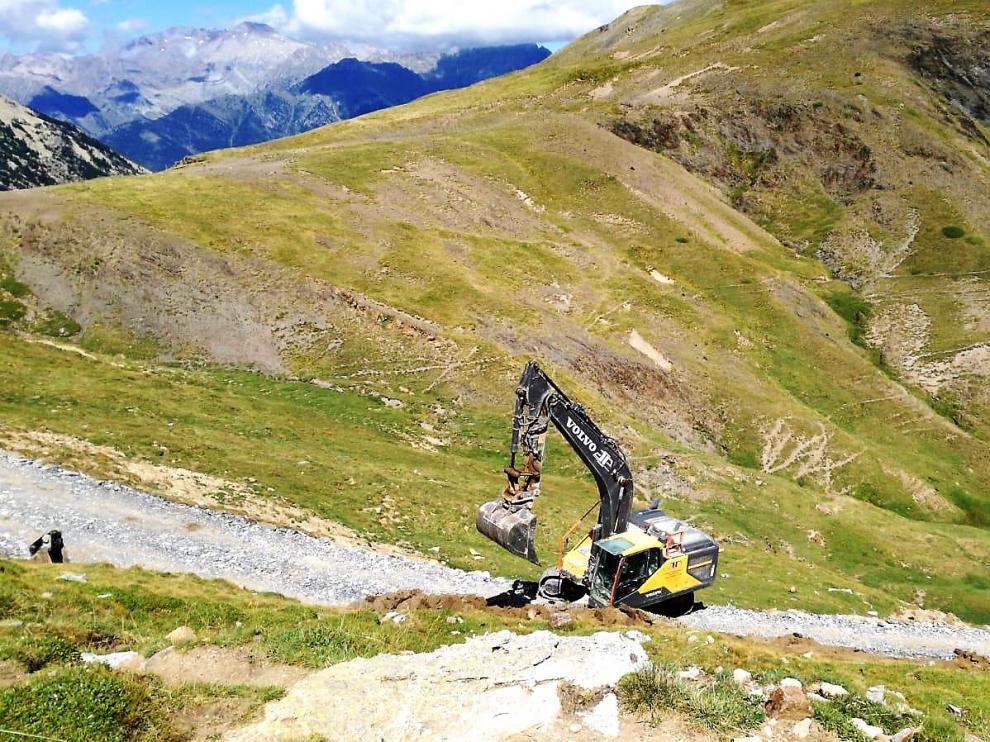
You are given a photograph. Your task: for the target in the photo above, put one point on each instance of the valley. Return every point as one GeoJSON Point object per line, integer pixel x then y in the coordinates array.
{"type": "Point", "coordinates": [749, 237]}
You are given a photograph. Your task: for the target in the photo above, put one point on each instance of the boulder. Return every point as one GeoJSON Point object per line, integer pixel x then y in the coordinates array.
{"type": "Point", "coordinates": [867, 730]}
{"type": "Point", "coordinates": [182, 635]}
{"type": "Point", "coordinates": [690, 673]}
{"type": "Point", "coordinates": [115, 660]}
{"type": "Point", "coordinates": [905, 735]}
{"type": "Point", "coordinates": [802, 729]}
{"type": "Point", "coordinates": [790, 683]}
{"type": "Point", "coordinates": [788, 702]}
{"type": "Point", "coordinates": [742, 677]}
{"type": "Point", "coordinates": [877, 694]}
{"type": "Point", "coordinates": [832, 691]}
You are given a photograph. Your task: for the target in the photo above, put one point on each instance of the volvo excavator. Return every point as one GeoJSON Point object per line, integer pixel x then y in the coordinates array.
{"type": "Point", "coordinates": [645, 559]}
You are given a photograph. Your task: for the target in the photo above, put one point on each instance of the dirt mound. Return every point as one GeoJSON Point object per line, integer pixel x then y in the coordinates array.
{"type": "Point", "coordinates": [921, 615]}
{"type": "Point", "coordinates": [414, 600]}
{"type": "Point", "coordinates": [220, 666]}
{"type": "Point", "coordinates": [971, 660]}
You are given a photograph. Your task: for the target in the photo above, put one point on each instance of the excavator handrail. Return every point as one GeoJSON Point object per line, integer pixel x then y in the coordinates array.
{"type": "Point", "coordinates": [562, 547]}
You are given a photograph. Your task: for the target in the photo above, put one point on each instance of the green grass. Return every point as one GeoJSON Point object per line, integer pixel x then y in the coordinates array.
{"type": "Point", "coordinates": [717, 706]}
{"type": "Point", "coordinates": [83, 704]}
{"type": "Point", "coordinates": [926, 687]}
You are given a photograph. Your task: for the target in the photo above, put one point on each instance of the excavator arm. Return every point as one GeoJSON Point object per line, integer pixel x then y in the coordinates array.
{"type": "Point", "coordinates": [510, 521]}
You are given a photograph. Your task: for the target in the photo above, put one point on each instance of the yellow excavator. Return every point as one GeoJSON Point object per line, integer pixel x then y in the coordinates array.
{"type": "Point", "coordinates": [644, 559]}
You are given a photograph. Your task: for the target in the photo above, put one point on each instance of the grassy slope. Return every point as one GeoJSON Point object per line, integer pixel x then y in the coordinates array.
{"type": "Point", "coordinates": [120, 610]}
{"type": "Point", "coordinates": [417, 208]}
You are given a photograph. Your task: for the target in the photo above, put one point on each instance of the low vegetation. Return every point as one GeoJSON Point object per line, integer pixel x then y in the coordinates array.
{"type": "Point", "coordinates": [717, 705]}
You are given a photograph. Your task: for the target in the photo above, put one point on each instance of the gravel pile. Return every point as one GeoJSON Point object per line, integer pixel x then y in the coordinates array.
{"type": "Point", "coordinates": [108, 522]}
{"type": "Point", "coordinates": [914, 639]}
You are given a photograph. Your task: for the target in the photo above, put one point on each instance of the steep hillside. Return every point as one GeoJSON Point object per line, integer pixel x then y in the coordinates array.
{"type": "Point", "coordinates": [37, 151]}
{"type": "Point", "coordinates": [727, 243]}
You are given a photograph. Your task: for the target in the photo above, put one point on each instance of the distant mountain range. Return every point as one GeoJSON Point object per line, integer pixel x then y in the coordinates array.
{"type": "Point", "coordinates": [36, 150]}
{"type": "Point", "coordinates": [184, 91]}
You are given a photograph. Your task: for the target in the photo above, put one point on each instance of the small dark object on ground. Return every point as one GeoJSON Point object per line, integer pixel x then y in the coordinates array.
{"type": "Point", "coordinates": [55, 546]}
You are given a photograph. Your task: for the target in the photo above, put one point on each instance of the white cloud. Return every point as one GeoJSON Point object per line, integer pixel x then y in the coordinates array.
{"type": "Point", "coordinates": [61, 20]}
{"type": "Point", "coordinates": [132, 25]}
{"type": "Point", "coordinates": [42, 23]}
{"type": "Point", "coordinates": [453, 21]}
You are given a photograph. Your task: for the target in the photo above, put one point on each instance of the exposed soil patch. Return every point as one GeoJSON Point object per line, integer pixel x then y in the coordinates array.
{"type": "Point", "coordinates": [10, 673]}
{"type": "Point", "coordinates": [220, 666]}
{"type": "Point", "coordinates": [413, 600]}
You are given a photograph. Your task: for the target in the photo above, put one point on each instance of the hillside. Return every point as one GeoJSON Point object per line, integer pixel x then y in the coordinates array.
{"type": "Point", "coordinates": [746, 235]}
{"type": "Point", "coordinates": [37, 151]}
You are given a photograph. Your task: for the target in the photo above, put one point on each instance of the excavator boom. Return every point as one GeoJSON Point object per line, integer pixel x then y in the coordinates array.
{"type": "Point", "coordinates": [510, 520]}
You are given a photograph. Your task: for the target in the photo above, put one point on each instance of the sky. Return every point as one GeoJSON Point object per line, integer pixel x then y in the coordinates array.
{"type": "Point", "coordinates": [78, 26]}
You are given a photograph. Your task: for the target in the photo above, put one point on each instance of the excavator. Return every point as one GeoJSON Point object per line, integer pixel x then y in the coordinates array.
{"type": "Point", "coordinates": [644, 559]}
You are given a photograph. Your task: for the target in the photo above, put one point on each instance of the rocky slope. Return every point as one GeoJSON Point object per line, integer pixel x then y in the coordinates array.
{"type": "Point", "coordinates": [38, 151]}
{"type": "Point", "coordinates": [726, 242]}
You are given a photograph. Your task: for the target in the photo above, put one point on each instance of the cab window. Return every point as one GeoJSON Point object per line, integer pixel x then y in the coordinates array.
{"type": "Point", "coordinates": [637, 569]}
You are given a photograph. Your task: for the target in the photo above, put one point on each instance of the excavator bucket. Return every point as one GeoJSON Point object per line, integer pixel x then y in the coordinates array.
{"type": "Point", "coordinates": [513, 527]}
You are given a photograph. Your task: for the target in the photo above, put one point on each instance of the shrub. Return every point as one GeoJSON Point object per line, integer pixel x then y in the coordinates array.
{"type": "Point", "coordinates": [855, 310]}
{"type": "Point", "coordinates": [11, 311]}
{"type": "Point", "coordinates": [79, 704]}
{"type": "Point", "coordinates": [953, 232]}
{"type": "Point", "coordinates": [835, 716]}
{"type": "Point", "coordinates": [44, 650]}
{"type": "Point", "coordinates": [56, 324]}
{"type": "Point", "coordinates": [13, 287]}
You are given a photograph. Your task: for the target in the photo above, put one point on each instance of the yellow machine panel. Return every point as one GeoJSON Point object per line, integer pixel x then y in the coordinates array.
{"type": "Point", "coordinates": [673, 575]}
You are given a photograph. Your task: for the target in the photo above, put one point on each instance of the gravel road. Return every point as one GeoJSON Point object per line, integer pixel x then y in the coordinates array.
{"type": "Point", "coordinates": [107, 522]}
{"type": "Point", "coordinates": [919, 640]}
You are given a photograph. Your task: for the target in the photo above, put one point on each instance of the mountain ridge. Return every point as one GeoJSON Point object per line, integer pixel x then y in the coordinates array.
{"type": "Point", "coordinates": [36, 150]}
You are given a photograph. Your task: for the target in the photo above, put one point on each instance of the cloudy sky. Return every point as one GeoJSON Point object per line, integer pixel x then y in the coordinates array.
{"type": "Point", "coordinates": [78, 25]}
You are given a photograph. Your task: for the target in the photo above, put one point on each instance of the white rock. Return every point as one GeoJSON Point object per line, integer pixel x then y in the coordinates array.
{"type": "Point", "coordinates": [638, 636]}
{"type": "Point", "coordinates": [767, 731]}
{"type": "Point", "coordinates": [790, 683]}
{"type": "Point", "coordinates": [72, 577]}
{"type": "Point", "coordinates": [182, 635]}
{"type": "Point", "coordinates": [690, 673]}
{"type": "Point", "coordinates": [876, 694]}
{"type": "Point", "coordinates": [867, 730]}
{"type": "Point", "coordinates": [802, 729]}
{"type": "Point", "coordinates": [905, 735]}
{"type": "Point", "coordinates": [604, 718]}
{"type": "Point", "coordinates": [395, 617]}
{"type": "Point", "coordinates": [114, 660]}
{"type": "Point", "coordinates": [874, 614]}
{"type": "Point", "coordinates": [742, 677]}
{"type": "Point", "coordinates": [832, 691]}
